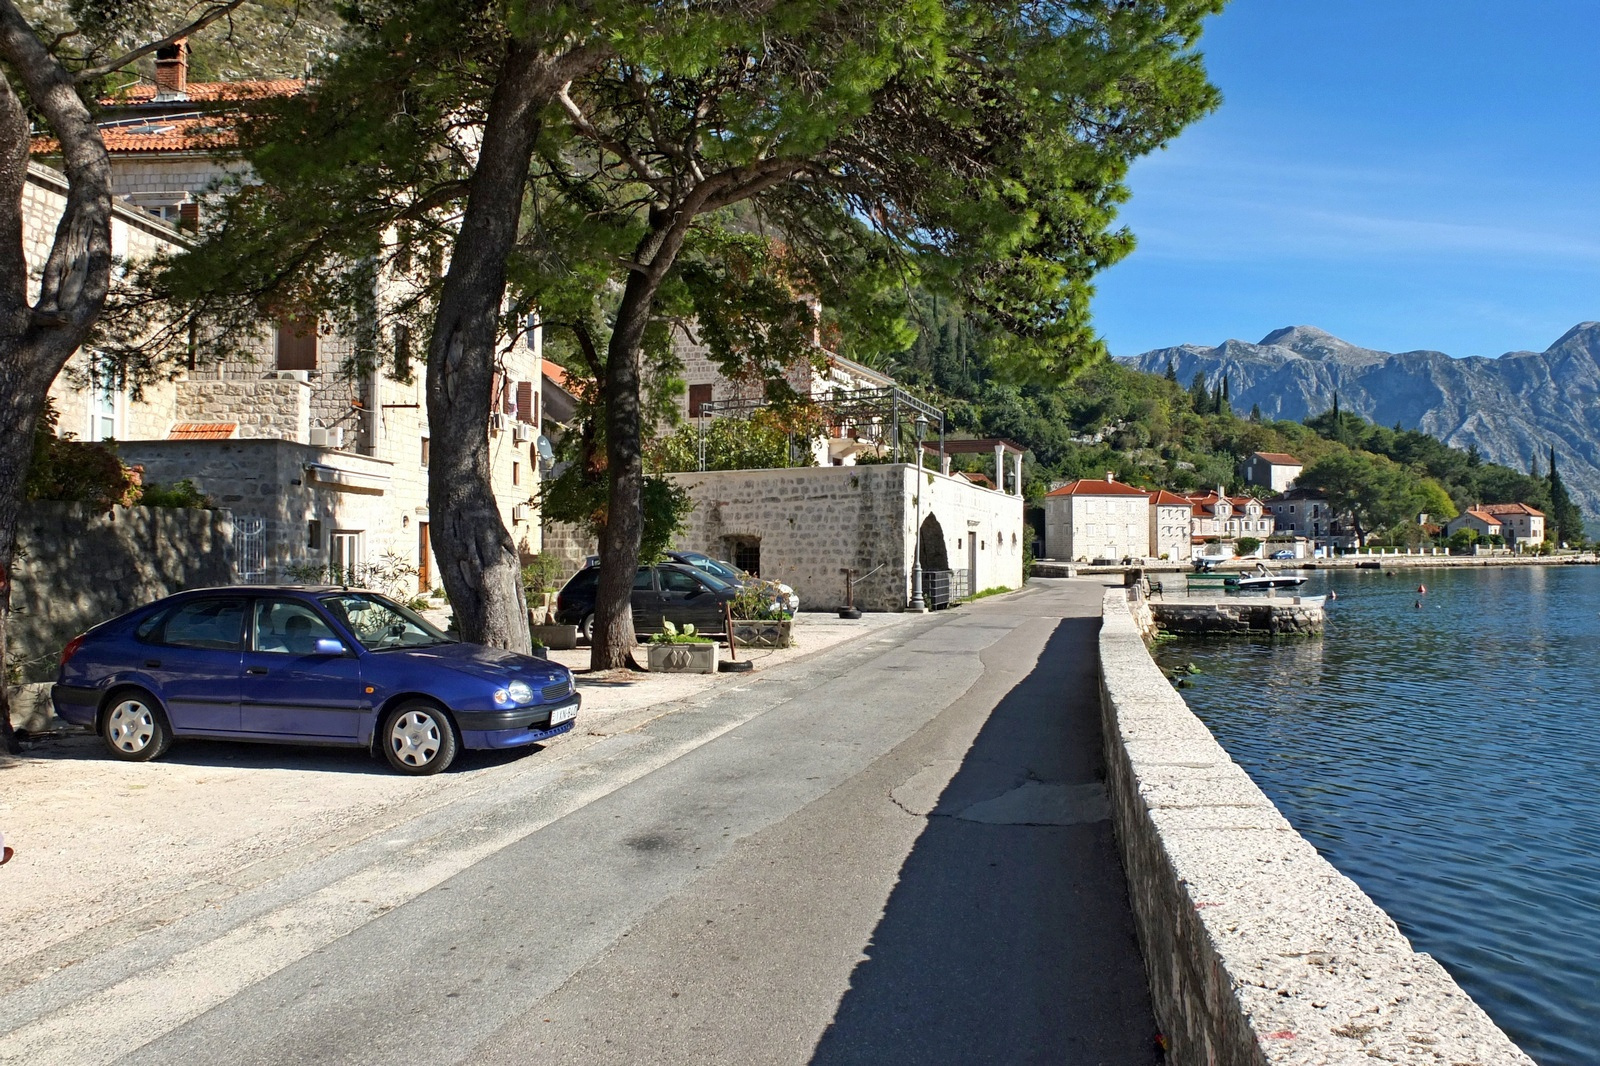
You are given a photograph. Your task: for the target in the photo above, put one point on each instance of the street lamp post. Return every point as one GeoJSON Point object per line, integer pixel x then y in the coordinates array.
{"type": "Point", "coordinates": [917, 603]}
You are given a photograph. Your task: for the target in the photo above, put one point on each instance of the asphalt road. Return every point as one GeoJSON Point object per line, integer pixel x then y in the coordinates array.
{"type": "Point", "coordinates": [895, 852]}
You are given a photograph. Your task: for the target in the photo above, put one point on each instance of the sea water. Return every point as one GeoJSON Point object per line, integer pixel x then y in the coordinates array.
{"type": "Point", "coordinates": [1442, 749]}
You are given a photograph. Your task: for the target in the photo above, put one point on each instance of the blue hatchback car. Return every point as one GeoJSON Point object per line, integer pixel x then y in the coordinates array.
{"type": "Point", "coordinates": [328, 666]}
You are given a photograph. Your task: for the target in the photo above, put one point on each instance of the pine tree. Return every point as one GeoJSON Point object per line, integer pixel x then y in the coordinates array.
{"type": "Point", "coordinates": [1172, 371]}
{"type": "Point", "coordinates": [1224, 400]}
{"type": "Point", "coordinates": [1255, 412]}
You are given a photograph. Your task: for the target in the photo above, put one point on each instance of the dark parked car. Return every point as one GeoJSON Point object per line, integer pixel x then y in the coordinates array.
{"type": "Point", "coordinates": [305, 665]}
{"type": "Point", "coordinates": [1283, 553]}
{"type": "Point", "coordinates": [673, 591]}
{"type": "Point", "coordinates": [732, 575]}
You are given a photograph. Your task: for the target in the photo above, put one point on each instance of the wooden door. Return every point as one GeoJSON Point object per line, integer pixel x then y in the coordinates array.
{"type": "Point", "coordinates": [424, 559]}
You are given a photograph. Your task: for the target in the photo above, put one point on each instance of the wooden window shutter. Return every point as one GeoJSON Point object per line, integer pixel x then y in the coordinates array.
{"type": "Point", "coordinates": [526, 405]}
{"type": "Point", "coordinates": [699, 396]}
{"type": "Point", "coordinates": [297, 343]}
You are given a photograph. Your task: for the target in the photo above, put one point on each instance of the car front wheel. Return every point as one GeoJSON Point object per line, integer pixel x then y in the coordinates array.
{"type": "Point", "coordinates": [418, 738]}
{"type": "Point", "coordinates": [586, 628]}
{"type": "Point", "coordinates": [134, 727]}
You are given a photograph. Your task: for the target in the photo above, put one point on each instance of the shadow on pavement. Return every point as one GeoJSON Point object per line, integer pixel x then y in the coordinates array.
{"type": "Point", "coordinates": [239, 755]}
{"type": "Point", "coordinates": [1008, 937]}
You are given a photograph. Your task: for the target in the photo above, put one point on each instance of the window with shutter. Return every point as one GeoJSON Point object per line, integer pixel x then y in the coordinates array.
{"type": "Point", "coordinates": [297, 343]}
{"type": "Point", "coordinates": [699, 396]}
{"type": "Point", "coordinates": [527, 402]}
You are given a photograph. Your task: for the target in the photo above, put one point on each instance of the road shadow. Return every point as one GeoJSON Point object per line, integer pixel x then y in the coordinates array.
{"type": "Point", "coordinates": [265, 755]}
{"type": "Point", "coordinates": [1008, 937]}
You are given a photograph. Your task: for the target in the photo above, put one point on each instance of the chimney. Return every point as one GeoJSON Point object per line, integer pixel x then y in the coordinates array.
{"type": "Point", "coordinates": [1111, 476]}
{"type": "Point", "coordinates": [172, 69]}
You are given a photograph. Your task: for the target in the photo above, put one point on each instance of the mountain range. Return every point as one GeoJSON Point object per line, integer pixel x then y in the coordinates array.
{"type": "Point", "coordinates": [1513, 408]}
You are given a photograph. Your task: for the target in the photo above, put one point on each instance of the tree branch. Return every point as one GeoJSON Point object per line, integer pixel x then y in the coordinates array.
{"type": "Point", "coordinates": [110, 65]}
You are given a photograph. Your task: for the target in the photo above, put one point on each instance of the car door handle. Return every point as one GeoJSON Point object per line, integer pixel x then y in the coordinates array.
{"type": "Point", "coordinates": [152, 662]}
{"type": "Point", "coordinates": [255, 669]}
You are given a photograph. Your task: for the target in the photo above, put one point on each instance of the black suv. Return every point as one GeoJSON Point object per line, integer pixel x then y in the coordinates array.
{"type": "Point", "coordinates": [675, 592]}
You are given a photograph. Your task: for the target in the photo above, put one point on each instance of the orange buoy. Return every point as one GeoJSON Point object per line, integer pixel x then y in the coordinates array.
{"type": "Point", "coordinates": [1422, 588]}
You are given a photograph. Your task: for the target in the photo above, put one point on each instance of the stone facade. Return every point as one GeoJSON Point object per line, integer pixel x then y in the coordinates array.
{"type": "Point", "coordinates": [275, 409]}
{"type": "Point", "coordinates": [1088, 520]}
{"type": "Point", "coordinates": [1257, 950]}
{"type": "Point", "coordinates": [76, 568]}
{"type": "Point", "coordinates": [808, 523]}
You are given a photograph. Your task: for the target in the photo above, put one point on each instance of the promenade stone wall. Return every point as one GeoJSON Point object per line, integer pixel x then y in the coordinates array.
{"type": "Point", "coordinates": [813, 521]}
{"type": "Point", "coordinates": [77, 568]}
{"type": "Point", "coordinates": [1259, 952]}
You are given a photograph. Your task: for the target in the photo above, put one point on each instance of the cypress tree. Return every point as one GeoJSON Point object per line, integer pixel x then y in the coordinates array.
{"type": "Point", "coordinates": [1224, 400]}
{"type": "Point", "coordinates": [1172, 371]}
{"type": "Point", "coordinates": [1567, 517]}
{"type": "Point", "coordinates": [1255, 412]}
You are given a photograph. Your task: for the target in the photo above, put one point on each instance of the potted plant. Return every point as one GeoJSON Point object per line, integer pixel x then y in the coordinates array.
{"type": "Point", "coordinates": [682, 651]}
{"type": "Point", "coordinates": [761, 616]}
{"type": "Point", "coordinates": [540, 577]}
{"type": "Point", "coordinates": [539, 650]}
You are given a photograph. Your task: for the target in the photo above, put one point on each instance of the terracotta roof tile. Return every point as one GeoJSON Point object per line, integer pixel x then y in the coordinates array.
{"type": "Point", "coordinates": [556, 373]}
{"type": "Point", "coordinates": [193, 133]}
{"type": "Point", "coordinates": [1510, 508]}
{"type": "Point", "coordinates": [202, 431]}
{"type": "Point", "coordinates": [1279, 458]}
{"type": "Point", "coordinates": [1164, 497]}
{"type": "Point", "coordinates": [209, 91]}
{"type": "Point", "coordinates": [1090, 487]}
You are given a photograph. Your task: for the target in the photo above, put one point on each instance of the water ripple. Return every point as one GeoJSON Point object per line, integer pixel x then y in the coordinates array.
{"type": "Point", "coordinates": [1444, 757]}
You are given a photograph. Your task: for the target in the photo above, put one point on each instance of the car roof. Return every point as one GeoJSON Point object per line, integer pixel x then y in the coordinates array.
{"type": "Point", "coordinates": [251, 590]}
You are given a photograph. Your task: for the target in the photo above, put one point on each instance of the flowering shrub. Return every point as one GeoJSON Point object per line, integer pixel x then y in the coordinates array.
{"type": "Point", "coordinates": [761, 600]}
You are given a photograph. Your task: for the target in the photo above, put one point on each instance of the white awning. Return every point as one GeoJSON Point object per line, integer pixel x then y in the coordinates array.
{"type": "Point", "coordinates": [347, 480]}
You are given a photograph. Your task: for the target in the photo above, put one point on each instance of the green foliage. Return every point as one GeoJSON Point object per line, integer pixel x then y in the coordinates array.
{"type": "Point", "coordinates": [179, 494]}
{"type": "Point", "coordinates": [1566, 520]}
{"type": "Point", "coordinates": [539, 574]}
{"type": "Point", "coordinates": [672, 634]}
{"type": "Point", "coordinates": [583, 501]}
{"type": "Point", "coordinates": [73, 471]}
{"type": "Point", "coordinates": [1463, 538]}
{"type": "Point", "coordinates": [1245, 545]}
{"type": "Point", "coordinates": [730, 444]}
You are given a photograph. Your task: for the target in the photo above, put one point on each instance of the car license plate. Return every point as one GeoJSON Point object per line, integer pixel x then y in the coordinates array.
{"type": "Point", "coordinates": [563, 714]}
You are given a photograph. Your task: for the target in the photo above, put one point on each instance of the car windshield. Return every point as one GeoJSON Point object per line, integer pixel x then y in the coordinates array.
{"type": "Point", "coordinates": [381, 624]}
{"type": "Point", "coordinates": [715, 568]}
{"type": "Point", "coordinates": [715, 583]}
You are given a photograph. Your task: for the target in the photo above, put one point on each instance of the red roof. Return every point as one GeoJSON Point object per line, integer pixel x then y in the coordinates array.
{"type": "Point", "coordinates": [976, 478]}
{"type": "Point", "coordinates": [1510, 508]}
{"type": "Point", "coordinates": [208, 91]}
{"type": "Point", "coordinates": [1164, 498]}
{"type": "Point", "coordinates": [1483, 516]}
{"type": "Point", "coordinates": [558, 375]}
{"type": "Point", "coordinates": [1088, 487]}
{"type": "Point", "coordinates": [1279, 458]}
{"type": "Point", "coordinates": [209, 133]}
{"type": "Point", "coordinates": [202, 431]}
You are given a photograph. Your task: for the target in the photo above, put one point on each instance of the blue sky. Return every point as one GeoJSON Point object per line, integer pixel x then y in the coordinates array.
{"type": "Point", "coordinates": [1402, 173]}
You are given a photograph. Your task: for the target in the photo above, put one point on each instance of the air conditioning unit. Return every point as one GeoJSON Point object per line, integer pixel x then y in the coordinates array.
{"type": "Point", "coordinates": [319, 437]}
{"type": "Point", "coordinates": [302, 376]}
{"type": "Point", "coordinates": [500, 423]}
{"type": "Point", "coordinates": [336, 438]}
{"type": "Point", "coordinates": [522, 433]}
{"type": "Point", "coordinates": [519, 513]}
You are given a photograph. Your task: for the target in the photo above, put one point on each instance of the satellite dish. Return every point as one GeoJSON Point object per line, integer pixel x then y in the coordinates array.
{"type": "Point", "coordinates": [547, 454]}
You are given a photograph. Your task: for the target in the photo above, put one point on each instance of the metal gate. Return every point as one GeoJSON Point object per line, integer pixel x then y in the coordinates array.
{"type": "Point", "coordinates": [250, 549]}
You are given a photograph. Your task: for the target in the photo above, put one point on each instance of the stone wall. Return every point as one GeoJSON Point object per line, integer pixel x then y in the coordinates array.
{"type": "Point", "coordinates": [77, 568]}
{"type": "Point", "coordinates": [1285, 617]}
{"type": "Point", "coordinates": [1258, 951]}
{"type": "Point", "coordinates": [813, 521]}
{"type": "Point", "coordinates": [279, 409]}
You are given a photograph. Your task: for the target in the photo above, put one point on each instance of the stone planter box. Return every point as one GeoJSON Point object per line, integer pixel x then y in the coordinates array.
{"type": "Point", "coordinates": [764, 633]}
{"type": "Point", "coordinates": [559, 638]}
{"type": "Point", "coordinates": [683, 658]}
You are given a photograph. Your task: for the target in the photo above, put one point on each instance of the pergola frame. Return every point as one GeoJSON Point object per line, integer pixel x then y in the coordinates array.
{"type": "Point", "coordinates": [881, 406]}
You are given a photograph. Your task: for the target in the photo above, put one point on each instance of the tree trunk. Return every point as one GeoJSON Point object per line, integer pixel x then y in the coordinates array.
{"type": "Point", "coordinates": [37, 339]}
{"type": "Point", "coordinates": [479, 563]}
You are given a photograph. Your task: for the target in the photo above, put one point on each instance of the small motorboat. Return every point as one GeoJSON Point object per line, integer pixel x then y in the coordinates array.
{"type": "Point", "coordinates": [1263, 578]}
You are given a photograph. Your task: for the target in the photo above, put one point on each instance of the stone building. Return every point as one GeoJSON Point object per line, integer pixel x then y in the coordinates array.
{"type": "Point", "coordinates": [1307, 513]}
{"type": "Point", "coordinates": [322, 463]}
{"type": "Point", "coordinates": [1091, 519]}
{"type": "Point", "coordinates": [1521, 526]}
{"type": "Point", "coordinates": [1170, 537]}
{"type": "Point", "coordinates": [1479, 520]}
{"type": "Point", "coordinates": [1220, 517]}
{"type": "Point", "coordinates": [1271, 470]}
{"type": "Point", "coordinates": [805, 526]}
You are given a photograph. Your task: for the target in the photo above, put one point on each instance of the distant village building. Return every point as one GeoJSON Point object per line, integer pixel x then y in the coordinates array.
{"type": "Point", "coordinates": [1479, 520]}
{"type": "Point", "coordinates": [1521, 526]}
{"type": "Point", "coordinates": [1217, 516]}
{"type": "Point", "coordinates": [1097, 519]}
{"type": "Point", "coordinates": [1307, 513]}
{"type": "Point", "coordinates": [1271, 470]}
{"type": "Point", "coordinates": [1170, 536]}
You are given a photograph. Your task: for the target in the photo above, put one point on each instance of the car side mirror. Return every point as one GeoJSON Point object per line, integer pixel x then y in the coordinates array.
{"type": "Point", "coordinates": [329, 646]}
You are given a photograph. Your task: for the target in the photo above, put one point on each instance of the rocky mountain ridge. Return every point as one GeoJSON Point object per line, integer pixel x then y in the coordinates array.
{"type": "Point", "coordinates": [1513, 408]}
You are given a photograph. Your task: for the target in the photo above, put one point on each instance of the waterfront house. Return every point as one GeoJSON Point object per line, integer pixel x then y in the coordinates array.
{"type": "Point", "coordinates": [1478, 520]}
{"type": "Point", "coordinates": [1275, 471]}
{"type": "Point", "coordinates": [1307, 513]}
{"type": "Point", "coordinates": [322, 465]}
{"type": "Point", "coordinates": [1091, 519]}
{"type": "Point", "coordinates": [1219, 517]}
{"type": "Point", "coordinates": [1521, 526]}
{"type": "Point", "coordinates": [1170, 526]}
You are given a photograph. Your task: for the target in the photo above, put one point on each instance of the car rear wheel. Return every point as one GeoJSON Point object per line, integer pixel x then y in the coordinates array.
{"type": "Point", "coordinates": [418, 738]}
{"type": "Point", "coordinates": [134, 727]}
{"type": "Point", "coordinates": [586, 628]}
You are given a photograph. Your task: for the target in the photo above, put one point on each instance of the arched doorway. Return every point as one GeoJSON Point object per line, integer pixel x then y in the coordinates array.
{"type": "Point", "coordinates": [935, 559]}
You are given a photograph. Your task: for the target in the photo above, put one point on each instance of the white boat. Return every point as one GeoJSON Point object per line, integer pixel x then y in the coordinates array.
{"type": "Point", "coordinates": [1263, 579]}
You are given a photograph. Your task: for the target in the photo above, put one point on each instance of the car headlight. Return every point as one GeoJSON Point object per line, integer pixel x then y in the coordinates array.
{"type": "Point", "coordinates": [520, 692]}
